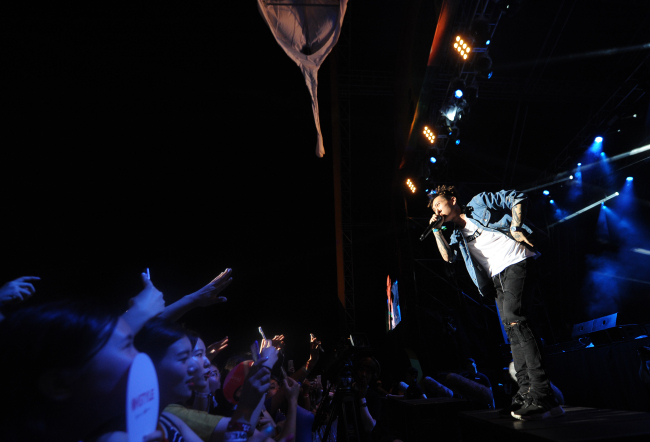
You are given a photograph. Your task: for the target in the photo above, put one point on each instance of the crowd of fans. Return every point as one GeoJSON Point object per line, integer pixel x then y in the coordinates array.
{"type": "Point", "coordinates": [72, 359]}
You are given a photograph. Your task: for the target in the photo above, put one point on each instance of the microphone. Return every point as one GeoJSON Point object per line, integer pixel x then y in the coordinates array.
{"type": "Point", "coordinates": [430, 227]}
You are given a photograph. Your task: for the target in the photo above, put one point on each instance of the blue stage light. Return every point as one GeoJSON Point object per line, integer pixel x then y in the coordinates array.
{"type": "Point", "coordinates": [598, 139]}
{"type": "Point", "coordinates": [552, 201]}
{"type": "Point", "coordinates": [629, 179]}
{"type": "Point", "coordinates": [602, 154]}
{"type": "Point", "coordinates": [457, 142]}
{"type": "Point", "coordinates": [570, 177]}
{"type": "Point", "coordinates": [546, 192]}
{"type": "Point", "coordinates": [458, 93]}
{"type": "Point", "coordinates": [433, 159]}
{"type": "Point", "coordinates": [490, 74]}
{"type": "Point", "coordinates": [579, 164]}
{"type": "Point", "coordinates": [487, 42]}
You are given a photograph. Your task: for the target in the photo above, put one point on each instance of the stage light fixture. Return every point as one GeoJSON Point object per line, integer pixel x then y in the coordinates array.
{"type": "Point", "coordinates": [430, 136]}
{"type": "Point", "coordinates": [411, 185]}
{"type": "Point", "coordinates": [458, 93]}
{"type": "Point", "coordinates": [433, 160]}
{"type": "Point", "coordinates": [457, 142]}
{"type": "Point", "coordinates": [570, 177]}
{"type": "Point", "coordinates": [487, 43]}
{"type": "Point", "coordinates": [579, 164]}
{"type": "Point", "coordinates": [546, 192]}
{"type": "Point", "coordinates": [462, 47]}
{"type": "Point", "coordinates": [552, 201]}
{"type": "Point", "coordinates": [602, 154]}
{"type": "Point", "coordinates": [598, 139]}
{"type": "Point", "coordinates": [628, 179]}
{"type": "Point", "coordinates": [450, 112]}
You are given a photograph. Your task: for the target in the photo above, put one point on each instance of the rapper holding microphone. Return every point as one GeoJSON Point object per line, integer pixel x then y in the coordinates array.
{"type": "Point", "coordinates": [493, 241]}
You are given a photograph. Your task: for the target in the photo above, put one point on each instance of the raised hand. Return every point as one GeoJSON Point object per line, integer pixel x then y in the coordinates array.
{"type": "Point", "coordinates": [209, 294]}
{"type": "Point", "coordinates": [18, 290]}
{"type": "Point", "coordinates": [278, 342]}
{"type": "Point", "coordinates": [361, 386]}
{"type": "Point", "coordinates": [307, 386]}
{"type": "Point", "coordinates": [149, 300]}
{"type": "Point", "coordinates": [256, 384]}
{"type": "Point", "coordinates": [268, 356]}
{"type": "Point", "coordinates": [203, 297]}
{"type": "Point", "coordinates": [314, 350]}
{"type": "Point", "coordinates": [214, 348]}
{"type": "Point", "coordinates": [292, 388]}
{"type": "Point", "coordinates": [144, 306]}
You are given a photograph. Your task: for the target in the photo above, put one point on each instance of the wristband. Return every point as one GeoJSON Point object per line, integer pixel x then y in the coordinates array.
{"type": "Point", "coordinates": [436, 230]}
{"type": "Point", "coordinates": [235, 427]}
{"type": "Point", "coordinates": [235, 436]}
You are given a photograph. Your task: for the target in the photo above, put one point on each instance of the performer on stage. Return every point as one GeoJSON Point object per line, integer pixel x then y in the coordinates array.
{"type": "Point", "coordinates": [493, 240]}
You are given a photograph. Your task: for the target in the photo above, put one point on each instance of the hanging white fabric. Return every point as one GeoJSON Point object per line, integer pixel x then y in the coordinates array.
{"type": "Point", "coordinates": [307, 30]}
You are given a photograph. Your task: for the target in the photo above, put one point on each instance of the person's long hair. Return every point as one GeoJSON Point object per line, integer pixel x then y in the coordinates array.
{"type": "Point", "coordinates": [52, 337]}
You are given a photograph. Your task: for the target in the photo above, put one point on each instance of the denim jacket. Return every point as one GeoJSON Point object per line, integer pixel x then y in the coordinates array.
{"type": "Point", "coordinates": [492, 212]}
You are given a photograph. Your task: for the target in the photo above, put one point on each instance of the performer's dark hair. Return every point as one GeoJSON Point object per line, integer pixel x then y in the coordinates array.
{"type": "Point", "coordinates": [445, 191]}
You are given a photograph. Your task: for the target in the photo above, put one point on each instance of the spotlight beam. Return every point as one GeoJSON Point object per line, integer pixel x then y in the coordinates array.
{"type": "Point", "coordinates": [547, 184]}
{"type": "Point", "coordinates": [620, 277]}
{"type": "Point", "coordinates": [574, 57]}
{"type": "Point", "coordinates": [636, 151]}
{"type": "Point", "coordinates": [591, 206]}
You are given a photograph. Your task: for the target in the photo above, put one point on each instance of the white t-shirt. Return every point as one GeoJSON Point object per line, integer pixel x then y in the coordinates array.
{"type": "Point", "coordinates": [493, 251]}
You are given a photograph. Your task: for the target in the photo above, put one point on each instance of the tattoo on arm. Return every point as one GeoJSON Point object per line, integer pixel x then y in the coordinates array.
{"type": "Point", "coordinates": [444, 248]}
{"type": "Point", "coordinates": [518, 215]}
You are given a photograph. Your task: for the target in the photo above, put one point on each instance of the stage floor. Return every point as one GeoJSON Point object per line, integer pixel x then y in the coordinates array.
{"type": "Point", "coordinates": [577, 424]}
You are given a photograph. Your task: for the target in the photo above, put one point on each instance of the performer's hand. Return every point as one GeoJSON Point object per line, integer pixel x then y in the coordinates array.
{"type": "Point", "coordinates": [438, 220]}
{"type": "Point", "coordinates": [521, 237]}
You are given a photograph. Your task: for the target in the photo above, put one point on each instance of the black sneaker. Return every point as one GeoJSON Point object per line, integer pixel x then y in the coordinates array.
{"type": "Point", "coordinates": [517, 402]}
{"type": "Point", "coordinates": [535, 409]}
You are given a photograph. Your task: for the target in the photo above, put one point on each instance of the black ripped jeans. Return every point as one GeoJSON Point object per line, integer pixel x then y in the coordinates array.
{"type": "Point", "coordinates": [514, 287]}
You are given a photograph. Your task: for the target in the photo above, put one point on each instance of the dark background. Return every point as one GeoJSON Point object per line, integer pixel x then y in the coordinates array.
{"type": "Point", "coordinates": [182, 139]}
